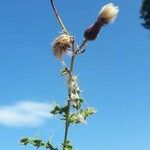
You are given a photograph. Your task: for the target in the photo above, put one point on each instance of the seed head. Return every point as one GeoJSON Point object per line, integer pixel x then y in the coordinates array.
{"type": "Point", "coordinates": [108, 13]}
{"type": "Point", "coordinates": [61, 44]}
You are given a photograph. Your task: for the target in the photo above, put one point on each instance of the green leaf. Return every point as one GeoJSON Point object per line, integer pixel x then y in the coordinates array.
{"type": "Point", "coordinates": [65, 71]}
{"type": "Point", "coordinates": [67, 145]}
{"type": "Point", "coordinates": [24, 141]}
{"type": "Point", "coordinates": [88, 112]}
{"type": "Point", "coordinates": [81, 116]}
{"type": "Point", "coordinates": [37, 142]}
{"type": "Point", "coordinates": [59, 110]}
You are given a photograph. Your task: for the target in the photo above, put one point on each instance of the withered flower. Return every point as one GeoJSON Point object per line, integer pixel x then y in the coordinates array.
{"type": "Point", "coordinates": [107, 14]}
{"type": "Point", "coordinates": [61, 44]}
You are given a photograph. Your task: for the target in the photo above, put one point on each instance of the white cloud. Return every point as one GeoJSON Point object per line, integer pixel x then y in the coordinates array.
{"type": "Point", "coordinates": [24, 114]}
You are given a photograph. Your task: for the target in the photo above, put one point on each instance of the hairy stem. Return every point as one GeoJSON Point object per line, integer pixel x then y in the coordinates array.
{"type": "Point", "coordinates": [58, 18]}
{"type": "Point", "coordinates": [79, 50]}
{"type": "Point", "coordinates": [71, 69]}
{"type": "Point", "coordinates": [67, 115]}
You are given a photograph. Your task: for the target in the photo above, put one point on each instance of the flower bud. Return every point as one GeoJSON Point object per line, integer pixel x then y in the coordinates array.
{"type": "Point", "coordinates": [91, 32]}
{"type": "Point", "coordinates": [107, 14]}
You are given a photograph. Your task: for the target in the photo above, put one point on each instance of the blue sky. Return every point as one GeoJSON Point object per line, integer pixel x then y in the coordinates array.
{"type": "Point", "coordinates": [113, 73]}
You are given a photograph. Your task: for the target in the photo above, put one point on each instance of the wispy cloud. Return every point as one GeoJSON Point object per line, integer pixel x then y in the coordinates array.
{"type": "Point", "coordinates": [24, 114]}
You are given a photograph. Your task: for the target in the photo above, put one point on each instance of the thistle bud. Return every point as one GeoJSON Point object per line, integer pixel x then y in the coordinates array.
{"type": "Point", "coordinates": [91, 32]}
{"type": "Point", "coordinates": [61, 44]}
{"type": "Point", "coordinates": [107, 14]}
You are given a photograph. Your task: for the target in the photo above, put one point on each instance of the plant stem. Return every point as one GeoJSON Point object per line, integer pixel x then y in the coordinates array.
{"type": "Point", "coordinates": [79, 50]}
{"type": "Point", "coordinates": [58, 18]}
{"type": "Point", "coordinates": [83, 44]}
{"type": "Point", "coordinates": [67, 115]}
{"type": "Point", "coordinates": [71, 69]}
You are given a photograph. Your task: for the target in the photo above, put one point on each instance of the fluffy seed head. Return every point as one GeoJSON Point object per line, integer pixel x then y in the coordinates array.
{"type": "Point", "coordinates": [61, 45]}
{"type": "Point", "coordinates": [108, 13]}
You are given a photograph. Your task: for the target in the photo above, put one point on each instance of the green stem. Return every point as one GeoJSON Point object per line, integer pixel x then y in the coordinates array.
{"type": "Point", "coordinates": [66, 126]}
{"type": "Point", "coordinates": [79, 50]}
{"type": "Point", "coordinates": [67, 115]}
{"type": "Point", "coordinates": [71, 70]}
{"type": "Point", "coordinates": [82, 44]}
{"type": "Point", "coordinates": [58, 18]}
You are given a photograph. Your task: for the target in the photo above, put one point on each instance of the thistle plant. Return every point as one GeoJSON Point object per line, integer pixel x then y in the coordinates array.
{"type": "Point", "coordinates": [74, 111]}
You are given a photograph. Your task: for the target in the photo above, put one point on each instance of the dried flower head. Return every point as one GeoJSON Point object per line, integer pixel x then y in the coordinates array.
{"type": "Point", "coordinates": [108, 13]}
{"type": "Point", "coordinates": [61, 45]}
